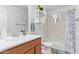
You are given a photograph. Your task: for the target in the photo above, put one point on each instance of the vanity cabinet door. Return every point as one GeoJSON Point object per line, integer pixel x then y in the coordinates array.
{"type": "Point", "coordinates": [31, 51]}
{"type": "Point", "coordinates": [38, 49]}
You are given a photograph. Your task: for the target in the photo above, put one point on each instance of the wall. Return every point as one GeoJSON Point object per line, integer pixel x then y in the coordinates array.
{"type": "Point", "coordinates": [16, 15]}
{"type": "Point", "coordinates": [3, 21]}
{"type": "Point", "coordinates": [31, 15]}
{"type": "Point", "coordinates": [57, 30]}
{"type": "Point", "coordinates": [40, 28]}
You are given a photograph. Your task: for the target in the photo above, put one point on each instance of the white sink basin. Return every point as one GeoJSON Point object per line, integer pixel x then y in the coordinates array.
{"type": "Point", "coordinates": [12, 39]}
{"type": "Point", "coordinates": [3, 43]}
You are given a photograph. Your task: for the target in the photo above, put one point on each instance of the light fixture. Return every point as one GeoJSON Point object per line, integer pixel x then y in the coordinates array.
{"type": "Point", "coordinates": [55, 17]}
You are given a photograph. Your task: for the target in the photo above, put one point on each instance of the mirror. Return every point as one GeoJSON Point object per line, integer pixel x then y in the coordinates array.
{"type": "Point", "coordinates": [13, 19]}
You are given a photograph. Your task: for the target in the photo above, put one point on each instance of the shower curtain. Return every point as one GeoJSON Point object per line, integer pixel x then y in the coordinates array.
{"type": "Point", "coordinates": [70, 32]}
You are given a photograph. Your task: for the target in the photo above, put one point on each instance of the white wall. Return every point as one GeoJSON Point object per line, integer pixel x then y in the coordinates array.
{"type": "Point", "coordinates": [16, 15]}
{"type": "Point", "coordinates": [31, 15]}
{"type": "Point", "coordinates": [56, 30]}
{"type": "Point", "coordinates": [3, 21]}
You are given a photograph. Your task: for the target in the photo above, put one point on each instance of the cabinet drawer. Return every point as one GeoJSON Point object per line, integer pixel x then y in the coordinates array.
{"type": "Point", "coordinates": [21, 49]}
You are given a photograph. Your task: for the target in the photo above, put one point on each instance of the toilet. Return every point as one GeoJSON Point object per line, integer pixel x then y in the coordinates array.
{"type": "Point", "coordinates": [47, 47]}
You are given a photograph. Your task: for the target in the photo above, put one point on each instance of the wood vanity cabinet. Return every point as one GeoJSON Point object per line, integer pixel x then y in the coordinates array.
{"type": "Point", "coordinates": [31, 47]}
{"type": "Point", "coordinates": [38, 49]}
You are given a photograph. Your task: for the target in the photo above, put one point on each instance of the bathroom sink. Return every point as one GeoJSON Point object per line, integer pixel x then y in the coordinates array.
{"type": "Point", "coordinates": [11, 40]}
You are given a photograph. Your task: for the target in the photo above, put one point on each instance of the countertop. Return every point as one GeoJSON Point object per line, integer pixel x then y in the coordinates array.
{"type": "Point", "coordinates": [10, 42]}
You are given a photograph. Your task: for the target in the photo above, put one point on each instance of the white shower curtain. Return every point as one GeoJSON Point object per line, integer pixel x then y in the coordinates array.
{"type": "Point", "coordinates": [70, 32]}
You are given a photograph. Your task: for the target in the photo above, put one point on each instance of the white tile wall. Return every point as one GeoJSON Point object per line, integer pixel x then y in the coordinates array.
{"type": "Point", "coordinates": [3, 22]}
{"type": "Point", "coordinates": [9, 17]}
